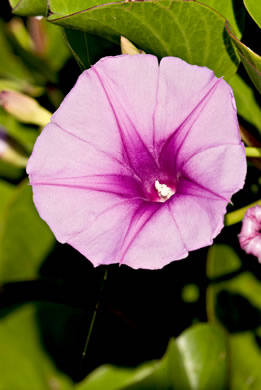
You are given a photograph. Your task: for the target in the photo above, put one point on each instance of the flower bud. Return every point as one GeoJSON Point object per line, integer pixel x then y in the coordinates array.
{"type": "Point", "coordinates": [128, 48]}
{"type": "Point", "coordinates": [24, 108]}
{"type": "Point", "coordinates": [250, 237]}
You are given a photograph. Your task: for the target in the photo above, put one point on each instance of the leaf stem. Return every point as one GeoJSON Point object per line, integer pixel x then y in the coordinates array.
{"type": "Point", "coordinates": [94, 315]}
{"type": "Point", "coordinates": [253, 152]}
{"type": "Point", "coordinates": [237, 215]}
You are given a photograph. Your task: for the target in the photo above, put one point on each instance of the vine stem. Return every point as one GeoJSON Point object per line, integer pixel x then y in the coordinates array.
{"type": "Point", "coordinates": [237, 215]}
{"type": "Point", "coordinates": [94, 315]}
{"type": "Point", "coordinates": [253, 152]}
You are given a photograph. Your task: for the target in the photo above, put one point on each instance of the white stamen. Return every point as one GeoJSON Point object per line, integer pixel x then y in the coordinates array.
{"type": "Point", "coordinates": [164, 191]}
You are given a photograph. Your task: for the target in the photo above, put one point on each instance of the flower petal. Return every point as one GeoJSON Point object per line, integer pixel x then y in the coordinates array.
{"type": "Point", "coordinates": [73, 181]}
{"type": "Point", "coordinates": [124, 89]}
{"type": "Point", "coordinates": [158, 243]}
{"type": "Point", "coordinates": [208, 180]}
{"type": "Point", "coordinates": [195, 110]}
{"type": "Point", "coordinates": [130, 84]}
{"type": "Point", "coordinates": [199, 219]}
{"type": "Point", "coordinates": [220, 170]}
{"type": "Point", "coordinates": [80, 115]}
{"type": "Point", "coordinates": [124, 126]}
{"type": "Point", "coordinates": [132, 237]}
{"type": "Point", "coordinates": [58, 153]}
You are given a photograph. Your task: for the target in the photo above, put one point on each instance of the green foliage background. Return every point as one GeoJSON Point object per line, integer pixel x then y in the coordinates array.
{"type": "Point", "coordinates": [195, 325]}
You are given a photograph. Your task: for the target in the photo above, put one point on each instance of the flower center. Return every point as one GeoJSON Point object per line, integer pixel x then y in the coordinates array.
{"type": "Point", "coordinates": [164, 192]}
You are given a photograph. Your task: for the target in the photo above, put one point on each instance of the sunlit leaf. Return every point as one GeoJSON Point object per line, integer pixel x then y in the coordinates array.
{"type": "Point", "coordinates": [245, 357]}
{"type": "Point", "coordinates": [204, 353]}
{"type": "Point", "coordinates": [250, 60]}
{"type": "Point", "coordinates": [114, 378]}
{"type": "Point", "coordinates": [150, 375]}
{"type": "Point", "coordinates": [25, 239]}
{"type": "Point", "coordinates": [185, 29]}
{"type": "Point", "coordinates": [24, 363]}
{"type": "Point", "coordinates": [254, 9]}
{"type": "Point", "coordinates": [196, 360]}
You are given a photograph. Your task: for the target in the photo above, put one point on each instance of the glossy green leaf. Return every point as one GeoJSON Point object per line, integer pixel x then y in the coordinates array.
{"type": "Point", "coordinates": [116, 378]}
{"type": "Point", "coordinates": [29, 7]}
{"type": "Point", "coordinates": [245, 358]}
{"type": "Point", "coordinates": [25, 239]}
{"type": "Point", "coordinates": [185, 29]}
{"type": "Point", "coordinates": [108, 377]}
{"type": "Point", "coordinates": [196, 360]}
{"type": "Point", "coordinates": [222, 261]}
{"type": "Point", "coordinates": [150, 375]}
{"type": "Point", "coordinates": [250, 60]}
{"type": "Point", "coordinates": [254, 9]}
{"type": "Point", "coordinates": [204, 352]}
{"type": "Point", "coordinates": [24, 135]}
{"type": "Point", "coordinates": [232, 10]}
{"type": "Point", "coordinates": [24, 364]}
{"type": "Point", "coordinates": [87, 48]}
{"type": "Point", "coordinates": [247, 105]}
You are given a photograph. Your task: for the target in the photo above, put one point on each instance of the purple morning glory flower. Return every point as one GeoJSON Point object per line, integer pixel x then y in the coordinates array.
{"type": "Point", "coordinates": [139, 162]}
{"type": "Point", "coordinates": [250, 235]}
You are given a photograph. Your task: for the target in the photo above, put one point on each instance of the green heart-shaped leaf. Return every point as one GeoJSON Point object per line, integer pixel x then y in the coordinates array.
{"type": "Point", "coordinates": [232, 10]}
{"type": "Point", "coordinates": [254, 9]}
{"type": "Point", "coordinates": [245, 355]}
{"type": "Point", "coordinates": [24, 364]}
{"type": "Point", "coordinates": [196, 360]}
{"type": "Point", "coordinates": [184, 29]}
{"type": "Point", "coordinates": [204, 353]}
{"type": "Point", "coordinates": [25, 239]}
{"type": "Point", "coordinates": [250, 60]}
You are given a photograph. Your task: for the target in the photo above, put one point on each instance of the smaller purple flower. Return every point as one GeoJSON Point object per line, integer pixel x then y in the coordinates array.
{"type": "Point", "coordinates": [250, 235]}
